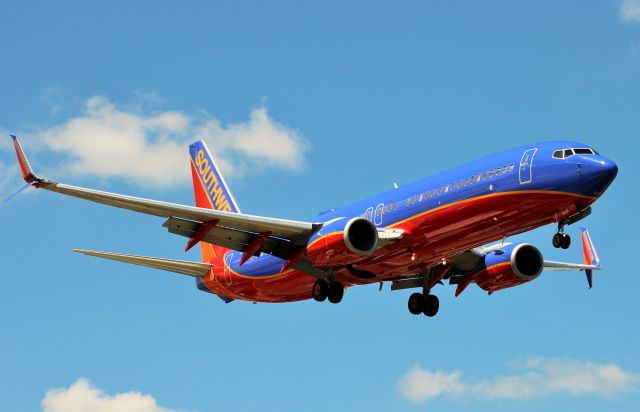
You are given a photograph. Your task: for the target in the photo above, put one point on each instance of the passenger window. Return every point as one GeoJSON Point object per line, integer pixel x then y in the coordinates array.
{"type": "Point", "coordinates": [408, 202]}
{"type": "Point", "coordinates": [395, 206]}
{"type": "Point", "coordinates": [484, 175]}
{"type": "Point", "coordinates": [420, 198]}
{"type": "Point", "coordinates": [466, 181]}
{"type": "Point", "coordinates": [504, 169]}
{"type": "Point", "coordinates": [497, 171]}
{"type": "Point", "coordinates": [491, 173]}
{"type": "Point", "coordinates": [459, 184]}
{"type": "Point", "coordinates": [453, 185]}
{"type": "Point", "coordinates": [511, 167]}
{"type": "Point", "coordinates": [426, 196]}
{"type": "Point", "coordinates": [439, 191]}
{"type": "Point", "coordinates": [446, 189]}
{"type": "Point", "coordinates": [433, 193]}
{"type": "Point", "coordinates": [413, 201]}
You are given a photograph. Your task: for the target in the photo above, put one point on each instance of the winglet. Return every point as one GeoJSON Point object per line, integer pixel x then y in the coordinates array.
{"type": "Point", "coordinates": [589, 251]}
{"type": "Point", "coordinates": [590, 255]}
{"type": "Point", "coordinates": [25, 167]}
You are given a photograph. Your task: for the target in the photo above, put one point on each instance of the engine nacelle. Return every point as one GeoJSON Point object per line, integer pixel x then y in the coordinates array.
{"type": "Point", "coordinates": [343, 242]}
{"type": "Point", "coordinates": [510, 266]}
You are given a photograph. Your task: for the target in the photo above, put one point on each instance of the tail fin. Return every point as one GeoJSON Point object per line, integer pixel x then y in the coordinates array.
{"type": "Point", "coordinates": [210, 188]}
{"type": "Point", "coordinates": [210, 191]}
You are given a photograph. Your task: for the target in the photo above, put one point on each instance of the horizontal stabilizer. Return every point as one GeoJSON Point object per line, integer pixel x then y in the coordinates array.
{"type": "Point", "coordinates": [178, 266]}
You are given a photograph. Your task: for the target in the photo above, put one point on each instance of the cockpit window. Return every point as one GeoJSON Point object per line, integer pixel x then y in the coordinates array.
{"type": "Point", "coordinates": [565, 153]}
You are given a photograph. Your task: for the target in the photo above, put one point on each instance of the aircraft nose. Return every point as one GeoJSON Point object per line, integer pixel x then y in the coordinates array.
{"type": "Point", "coordinates": [599, 171]}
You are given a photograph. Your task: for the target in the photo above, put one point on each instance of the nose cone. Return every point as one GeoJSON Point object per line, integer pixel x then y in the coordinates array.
{"type": "Point", "coordinates": [599, 172]}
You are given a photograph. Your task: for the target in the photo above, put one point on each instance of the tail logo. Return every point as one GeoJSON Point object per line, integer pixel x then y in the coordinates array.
{"type": "Point", "coordinates": [211, 183]}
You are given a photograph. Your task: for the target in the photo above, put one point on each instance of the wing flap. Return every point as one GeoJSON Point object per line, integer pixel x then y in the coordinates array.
{"type": "Point", "coordinates": [231, 238]}
{"type": "Point", "coordinates": [194, 269]}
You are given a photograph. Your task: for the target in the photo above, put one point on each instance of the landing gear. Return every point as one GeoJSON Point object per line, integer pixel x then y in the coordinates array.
{"type": "Point", "coordinates": [431, 305]}
{"type": "Point", "coordinates": [336, 291]}
{"type": "Point", "coordinates": [416, 303]}
{"type": "Point", "coordinates": [426, 304]}
{"type": "Point", "coordinates": [322, 290]}
{"type": "Point", "coordinates": [561, 239]}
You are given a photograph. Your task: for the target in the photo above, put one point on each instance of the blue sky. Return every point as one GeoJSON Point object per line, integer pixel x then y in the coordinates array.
{"type": "Point", "coordinates": [308, 106]}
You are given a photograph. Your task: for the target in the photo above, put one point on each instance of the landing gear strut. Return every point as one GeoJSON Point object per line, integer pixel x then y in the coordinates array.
{"type": "Point", "coordinates": [323, 290]}
{"type": "Point", "coordinates": [420, 303]}
{"type": "Point", "coordinates": [561, 239]}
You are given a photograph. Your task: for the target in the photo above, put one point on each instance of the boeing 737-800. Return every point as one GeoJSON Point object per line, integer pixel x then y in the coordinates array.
{"type": "Point", "coordinates": [414, 236]}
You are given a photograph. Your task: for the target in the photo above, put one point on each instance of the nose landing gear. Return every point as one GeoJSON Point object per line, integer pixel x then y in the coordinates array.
{"type": "Point", "coordinates": [561, 239]}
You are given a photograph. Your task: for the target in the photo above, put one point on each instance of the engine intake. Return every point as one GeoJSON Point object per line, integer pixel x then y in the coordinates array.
{"type": "Point", "coordinates": [343, 242]}
{"type": "Point", "coordinates": [511, 266]}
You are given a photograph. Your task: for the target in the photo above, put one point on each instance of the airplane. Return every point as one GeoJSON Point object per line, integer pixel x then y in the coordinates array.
{"type": "Point", "coordinates": [414, 236]}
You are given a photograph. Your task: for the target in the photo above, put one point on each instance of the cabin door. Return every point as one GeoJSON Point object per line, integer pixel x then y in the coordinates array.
{"type": "Point", "coordinates": [526, 165]}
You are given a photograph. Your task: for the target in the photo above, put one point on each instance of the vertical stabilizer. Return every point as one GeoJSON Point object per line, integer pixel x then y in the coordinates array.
{"type": "Point", "coordinates": [210, 191]}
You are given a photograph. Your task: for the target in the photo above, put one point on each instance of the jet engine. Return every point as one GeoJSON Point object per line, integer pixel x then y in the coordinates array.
{"type": "Point", "coordinates": [343, 242]}
{"type": "Point", "coordinates": [510, 266]}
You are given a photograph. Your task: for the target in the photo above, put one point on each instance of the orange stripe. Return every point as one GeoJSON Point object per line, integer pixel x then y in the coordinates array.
{"type": "Point", "coordinates": [483, 197]}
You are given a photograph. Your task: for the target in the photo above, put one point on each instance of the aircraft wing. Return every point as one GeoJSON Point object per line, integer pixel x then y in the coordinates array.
{"type": "Point", "coordinates": [177, 266]}
{"type": "Point", "coordinates": [469, 259]}
{"type": "Point", "coordinates": [234, 227]}
{"type": "Point", "coordinates": [552, 265]}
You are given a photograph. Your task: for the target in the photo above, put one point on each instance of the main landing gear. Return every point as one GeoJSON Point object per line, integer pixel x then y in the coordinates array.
{"type": "Point", "coordinates": [324, 290]}
{"type": "Point", "coordinates": [420, 303]}
{"type": "Point", "coordinates": [561, 239]}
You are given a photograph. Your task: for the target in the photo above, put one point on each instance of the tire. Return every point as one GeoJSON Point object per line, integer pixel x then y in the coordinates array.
{"type": "Point", "coordinates": [557, 240]}
{"type": "Point", "coordinates": [416, 303]}
{"type": "Point", "coordinates": [565, 241]}
{"type": "Point", "coordinates": [320, 290]}
{"type": "Point", "coordinates": [336, 291]}
{"type": "Point", "coordinates": [431, 305]}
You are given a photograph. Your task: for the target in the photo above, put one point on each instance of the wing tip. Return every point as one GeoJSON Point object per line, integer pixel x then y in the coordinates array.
{"type": "Point", "coordinates": [27, 173]}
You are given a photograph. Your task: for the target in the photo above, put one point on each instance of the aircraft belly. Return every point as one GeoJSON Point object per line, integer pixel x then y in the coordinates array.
{"type": "Point", "coordinates": [435, 235]}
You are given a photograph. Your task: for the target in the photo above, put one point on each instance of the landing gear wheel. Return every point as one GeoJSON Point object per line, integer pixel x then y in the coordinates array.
{"type": "Point", "coordinates": [565, 241]}
{"type": "Point", "coordinates": [336, 291]}
{"type": "Point", "coordinates": [416, 303]}
{"type": "Point", "coordinates": [431, 305]}
{"type": "Point", "coordinates": [557, 240]}
{"type": "Point", "coordinates": [320, 290]}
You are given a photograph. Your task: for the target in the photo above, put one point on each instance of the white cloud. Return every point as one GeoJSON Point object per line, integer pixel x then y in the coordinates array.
{"type": "Point", "coordinates": [539, 377]}
{"type": "Point", "coordinates": [106, 141]}
{"type": "Point", "coordinates": [81, 396]}
{"type": "Point", "coordinates": [419, 385]}
{"type": "Point", "coordinates": [630, 10]}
